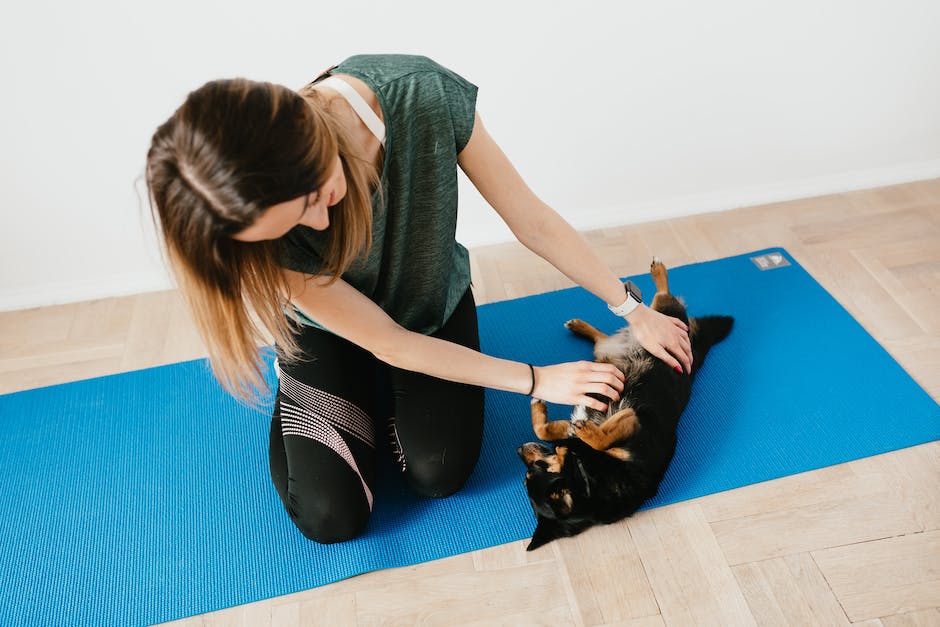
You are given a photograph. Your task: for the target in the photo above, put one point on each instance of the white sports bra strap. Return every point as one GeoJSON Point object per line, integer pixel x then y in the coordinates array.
{"type": "Point", "coordinates": [359, 105]}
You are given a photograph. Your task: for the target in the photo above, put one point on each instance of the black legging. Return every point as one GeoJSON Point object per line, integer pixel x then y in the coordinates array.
{"type": "Point", "coordinates": [323, 428]}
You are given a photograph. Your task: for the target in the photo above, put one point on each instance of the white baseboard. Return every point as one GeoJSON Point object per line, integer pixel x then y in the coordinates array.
{"type": "Point", "coordinates": [59, 293]}
{"type": "Point", "coordinates": [485, 233]}
{"type": "Point", "coordinates": [721, 200]}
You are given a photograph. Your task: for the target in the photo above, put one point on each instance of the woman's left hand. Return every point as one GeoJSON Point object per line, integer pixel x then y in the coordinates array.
{"type": "Point", "coordinates": [663, 336]}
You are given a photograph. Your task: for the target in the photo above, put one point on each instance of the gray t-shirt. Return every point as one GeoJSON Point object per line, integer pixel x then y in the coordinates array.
{"type": "Point", "coordinates": [415, 271]}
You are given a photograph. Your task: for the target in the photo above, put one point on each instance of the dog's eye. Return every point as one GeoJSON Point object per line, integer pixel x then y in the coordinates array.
{"type": "Point", "coordinates": [540, 463]}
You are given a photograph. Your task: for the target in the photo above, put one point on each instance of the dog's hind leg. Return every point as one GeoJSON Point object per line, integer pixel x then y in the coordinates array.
{"type": "Point", "coordinates": [660, 277]}
{"type": "Point", "coordinates": [664, 302]}
{"type": "Point", "coordinates": [582, 328]}
{"type": "Point", "coordinates": [545, 430]}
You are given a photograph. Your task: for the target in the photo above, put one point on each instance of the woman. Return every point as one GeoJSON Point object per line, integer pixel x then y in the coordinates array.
{"type": "Point", "coordinates": [337, 207]}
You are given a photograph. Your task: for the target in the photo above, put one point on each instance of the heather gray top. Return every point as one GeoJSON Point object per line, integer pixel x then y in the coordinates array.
{"type": "Point", "coordinates": [415, 271]}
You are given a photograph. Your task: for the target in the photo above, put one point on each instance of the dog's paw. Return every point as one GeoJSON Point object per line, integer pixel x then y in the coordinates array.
{"type": "Point", "coordinates": [591, 434]}
{"type": "Point", "coordinates": [579, 326]}
{"type": "Point", "coordinates": [658, 272]}
{"type": "Point", "coordinates": [585, 429]}
{"type": "Point", "coordinates": [537, 402]}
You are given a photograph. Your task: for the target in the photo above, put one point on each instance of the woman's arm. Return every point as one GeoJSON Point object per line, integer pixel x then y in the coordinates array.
{"type": "Point", "coordinates": [540, 229]}
{"type": "Point", "coordinates": [348, 313]}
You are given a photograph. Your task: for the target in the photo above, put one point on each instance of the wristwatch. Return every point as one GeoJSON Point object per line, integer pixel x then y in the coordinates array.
{"type": "Point", "coordinates": [634, 299]}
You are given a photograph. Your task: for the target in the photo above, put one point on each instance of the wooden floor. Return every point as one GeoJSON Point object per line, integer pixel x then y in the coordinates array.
{"type": "Point", "coordinates": [856, 543]}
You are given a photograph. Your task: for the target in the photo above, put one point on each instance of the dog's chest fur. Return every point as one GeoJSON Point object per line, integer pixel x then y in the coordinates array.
{"type": "Point", "coordinates": [624, 351]}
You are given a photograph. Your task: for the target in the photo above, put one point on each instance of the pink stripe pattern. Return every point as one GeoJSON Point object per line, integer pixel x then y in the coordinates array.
{"type": "Point", "coordinates": [320, 416]}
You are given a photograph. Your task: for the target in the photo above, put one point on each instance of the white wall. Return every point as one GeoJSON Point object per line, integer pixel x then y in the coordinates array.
{"type": "Point", "coordinates": [614, 112]}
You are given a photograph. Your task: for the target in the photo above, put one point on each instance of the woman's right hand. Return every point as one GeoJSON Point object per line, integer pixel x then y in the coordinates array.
{"type": "Point", "coordinates": [569, 383]}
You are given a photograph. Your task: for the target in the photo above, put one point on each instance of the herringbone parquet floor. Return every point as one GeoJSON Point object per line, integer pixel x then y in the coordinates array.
{"type": "Point", "coordinates": [857, 543]}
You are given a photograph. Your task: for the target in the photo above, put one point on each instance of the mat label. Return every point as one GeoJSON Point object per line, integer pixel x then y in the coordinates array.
{"type": "Point", "coordinates": [770, 261]}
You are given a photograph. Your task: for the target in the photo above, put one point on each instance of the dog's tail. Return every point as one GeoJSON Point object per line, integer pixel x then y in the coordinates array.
{"type": "Point", "coordinates": [705, 333]}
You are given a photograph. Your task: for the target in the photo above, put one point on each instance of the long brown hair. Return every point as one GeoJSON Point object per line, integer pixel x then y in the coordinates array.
{"type": "Point", "coordinates": [234, 148]}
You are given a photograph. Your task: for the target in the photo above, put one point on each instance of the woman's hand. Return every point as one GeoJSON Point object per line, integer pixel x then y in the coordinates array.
{"type": "Point", "coordinates": [663, 336]}
{"type": "Point", "coordinates": [570, 383]}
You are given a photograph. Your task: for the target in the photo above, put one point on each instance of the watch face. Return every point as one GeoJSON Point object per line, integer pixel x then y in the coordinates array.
{"type": "Point", "coordinates": [634, 291]}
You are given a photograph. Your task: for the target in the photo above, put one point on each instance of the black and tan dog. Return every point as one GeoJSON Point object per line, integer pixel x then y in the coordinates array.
{"type": "Point", "coordinates": [606, 464]}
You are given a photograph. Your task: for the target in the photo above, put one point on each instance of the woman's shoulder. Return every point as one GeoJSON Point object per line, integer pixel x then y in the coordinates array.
{"type": "Point", "coordinates": [403, 63]}
{"type": "Point", "coordinates": [383, 69]}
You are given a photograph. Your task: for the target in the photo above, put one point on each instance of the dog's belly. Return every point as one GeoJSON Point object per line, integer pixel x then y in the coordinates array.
{"type": "Point", "coordinates": [623, 351]}
{"type": "Point", "coordinates": [621, 346]}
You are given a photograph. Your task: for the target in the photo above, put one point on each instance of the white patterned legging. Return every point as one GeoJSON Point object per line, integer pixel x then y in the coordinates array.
{"type": "Point", "coordinates": [323, 445]}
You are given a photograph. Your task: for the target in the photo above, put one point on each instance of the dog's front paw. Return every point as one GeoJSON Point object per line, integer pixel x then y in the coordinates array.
{"type": "Point", "coordinates": [537, 402]}
{"type": "Point", "coordinates": [591, 434]}
{"type": "Point", "coordinates": [580, 327]}
{"type": "Point", "coordinates": [585, 429]}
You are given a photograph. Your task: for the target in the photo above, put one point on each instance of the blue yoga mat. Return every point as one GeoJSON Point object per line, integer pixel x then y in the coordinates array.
{"type": "Point", "coordinates": [145, 497]}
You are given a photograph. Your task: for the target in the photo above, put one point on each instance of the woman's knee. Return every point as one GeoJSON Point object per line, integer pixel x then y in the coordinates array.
{"type": "Point", "coordinates": [437, 477]}
{"type": "Point", "coordinates": [328, 522]}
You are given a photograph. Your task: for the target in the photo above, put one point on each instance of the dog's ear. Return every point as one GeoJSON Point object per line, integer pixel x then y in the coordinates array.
{"type": "Point", "coordinates": [545, 531]}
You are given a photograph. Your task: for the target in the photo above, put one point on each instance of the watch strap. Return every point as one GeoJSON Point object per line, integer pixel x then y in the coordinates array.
{"type": "Point", "coordinates": [633, 300]}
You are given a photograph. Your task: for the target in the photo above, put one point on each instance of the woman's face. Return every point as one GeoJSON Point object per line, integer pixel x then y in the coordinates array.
{"type": "Point", "coordinates": [310, 210]}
